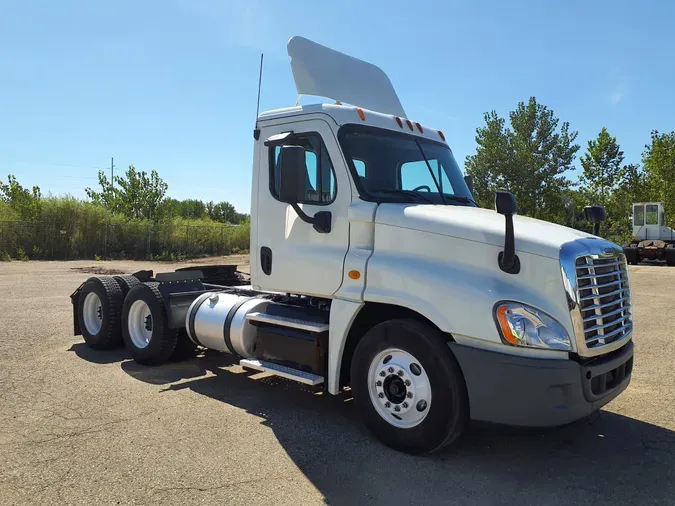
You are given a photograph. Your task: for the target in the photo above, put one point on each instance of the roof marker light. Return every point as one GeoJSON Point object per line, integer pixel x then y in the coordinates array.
{"type": "Point", "coordinates": [441, 135]}
{"type": "Point", "coordinates": [409, 123]}
{"type": "Point", "coordinates": [398, 120]}
{"type": "Point", "coordinates": [419, 127]}
{"type": "Point", "coordinates": [362, 115]}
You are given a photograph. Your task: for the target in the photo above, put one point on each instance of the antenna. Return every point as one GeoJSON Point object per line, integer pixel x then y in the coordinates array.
{"type": "Point", "coordinates": [257, 107]}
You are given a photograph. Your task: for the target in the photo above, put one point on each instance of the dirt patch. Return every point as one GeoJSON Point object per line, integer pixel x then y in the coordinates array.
{"type": "Point", "coordinates": [97, 270]}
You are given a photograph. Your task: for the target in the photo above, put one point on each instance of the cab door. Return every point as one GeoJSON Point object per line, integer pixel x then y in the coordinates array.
{"type": "Point", "coordinates": [639, 232]}
{"type": "Point", "coordinates": [652, 219]}
{"type": "Point", "coordinates": [655, 223]}
{"type": "Point", "coordinates": [292, 255]}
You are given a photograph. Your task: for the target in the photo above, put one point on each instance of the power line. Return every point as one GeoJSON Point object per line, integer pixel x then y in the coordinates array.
{"type": "Point", "coordinates": [63, 176]}
{"type": "Point", "coordinates": [60, 165]}
{"type": "Point", "coordinates": [49, 188]}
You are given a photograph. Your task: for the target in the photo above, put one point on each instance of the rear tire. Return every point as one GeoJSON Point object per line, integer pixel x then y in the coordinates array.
{"type": "Point", "coordinates": [145, 327]}
{"type": "Point", "coordinates": [398, 357]}
{"type": "Point", "coordinates": [126, 283]}
{"type": "Point", "coordinates": [98, 312]}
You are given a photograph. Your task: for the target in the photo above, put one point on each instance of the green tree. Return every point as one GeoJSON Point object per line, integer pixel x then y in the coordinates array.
{"type": "Point", "coordinates": [572, 210]}
{"type": "Point", "coordinates": [109, 196]}
{"type": "Point", "coordinates": [192, 209]}
{"type": "Point", "coordinates": [223, 212]}
{"type": "Point", "coordinates": [135, 195]}
{"type": "Point", "coordinates": [26, 203]}
{"type": "Point", "coordinates": [659, 164]}
{"type": "Point", "coordinates": [633, 187]}
{"type": "Point", "coordinates": [170, 208]}
{"type": "Point", "coordinates": [529, 158]}
{"type": "Point", "coordinates": [602, 168]}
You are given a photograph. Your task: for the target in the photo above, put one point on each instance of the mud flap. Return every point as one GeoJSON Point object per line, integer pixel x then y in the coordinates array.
{"type": "Point", "coordinates": [74, 299]}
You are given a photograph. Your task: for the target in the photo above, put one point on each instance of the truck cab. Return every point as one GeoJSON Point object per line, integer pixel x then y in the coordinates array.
{"type": "Point", "coordinates": [373, 271]}
{"type": "Point", "coordinates": [652, 239]}
{"type": "Point", "coordinates": [649, 222]}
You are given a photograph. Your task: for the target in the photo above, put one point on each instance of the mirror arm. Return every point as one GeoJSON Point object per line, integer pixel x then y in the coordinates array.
{"type": "Point", "coordinates": [505, 204]}
{"type": "Point", "coordinates": [507, 259]}
{"type": "Point", "coordinates": [321, 220]}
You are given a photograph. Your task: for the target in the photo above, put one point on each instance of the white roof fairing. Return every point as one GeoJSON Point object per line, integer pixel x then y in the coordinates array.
{"type": "Point", "coordinates": [324, 72]}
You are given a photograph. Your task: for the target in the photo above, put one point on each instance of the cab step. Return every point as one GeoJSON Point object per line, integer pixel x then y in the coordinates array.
{"type": "Point", "coordinates": [281, 370]}
{"type": "Point", "coordinates": [285, 321]}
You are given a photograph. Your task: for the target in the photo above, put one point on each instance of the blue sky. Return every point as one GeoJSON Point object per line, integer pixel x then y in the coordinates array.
{"type": "Point", "coordinates": [171, 85]}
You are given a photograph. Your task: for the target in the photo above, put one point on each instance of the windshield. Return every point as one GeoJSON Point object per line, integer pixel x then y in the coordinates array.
{"type": "Point", "coordinates": [397, 167]}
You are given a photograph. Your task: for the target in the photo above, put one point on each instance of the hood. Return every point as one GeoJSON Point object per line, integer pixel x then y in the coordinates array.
{"type": "Point", "coordinates": [481, 225]}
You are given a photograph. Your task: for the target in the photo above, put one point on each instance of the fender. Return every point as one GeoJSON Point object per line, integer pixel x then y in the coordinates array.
{"type": "Point", "coordinates": [342, 315]}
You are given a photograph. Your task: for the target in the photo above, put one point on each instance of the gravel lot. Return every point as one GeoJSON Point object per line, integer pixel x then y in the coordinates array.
{"type": "Point", "coordinates": [85, 427]}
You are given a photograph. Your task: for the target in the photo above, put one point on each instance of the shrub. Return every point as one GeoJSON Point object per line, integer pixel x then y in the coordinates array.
{"type": "Point", "coordinates": [69, 228]}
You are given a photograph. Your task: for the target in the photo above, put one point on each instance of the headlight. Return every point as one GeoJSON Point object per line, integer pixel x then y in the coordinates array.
{"type": "Point", "coordinates": [522, 325]}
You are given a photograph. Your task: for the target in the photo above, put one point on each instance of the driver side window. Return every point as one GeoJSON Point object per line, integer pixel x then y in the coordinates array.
{"type": "Point", "coordinates": [320, 186]}
{"type": "Point", "coordinates": [638, 216]}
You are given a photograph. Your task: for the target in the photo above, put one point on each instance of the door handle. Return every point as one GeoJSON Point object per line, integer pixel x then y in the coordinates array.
{"type": "Point", "coordinates": [266, 260]}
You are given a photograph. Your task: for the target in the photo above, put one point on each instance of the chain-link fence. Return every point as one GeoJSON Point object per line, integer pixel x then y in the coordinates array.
{"type": "Point", "coordinates": [130, 240]}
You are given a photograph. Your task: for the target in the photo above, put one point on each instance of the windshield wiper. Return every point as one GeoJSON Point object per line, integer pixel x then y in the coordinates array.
{"type": "Point", "coordinates": [431, 172]}
{"type": "Point", "coordinates": [464, 200]}
{"type": "Point", "coordinates": [416, 197]}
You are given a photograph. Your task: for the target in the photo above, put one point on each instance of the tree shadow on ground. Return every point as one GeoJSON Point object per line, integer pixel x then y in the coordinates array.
{"type": "Point", "coordinates": [605, 459]}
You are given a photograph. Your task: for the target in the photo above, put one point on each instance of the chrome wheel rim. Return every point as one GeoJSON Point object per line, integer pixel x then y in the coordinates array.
{"type": "Point", "coordinates": [92, 313]}
{"type": "Point", "coordinates": [140, 324]}
{"type": "Point", "coordinates": [399, 388]}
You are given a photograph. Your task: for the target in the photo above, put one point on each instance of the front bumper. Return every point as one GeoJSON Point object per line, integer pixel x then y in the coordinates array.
{"type": "Point", "coordinates": [540, 392]}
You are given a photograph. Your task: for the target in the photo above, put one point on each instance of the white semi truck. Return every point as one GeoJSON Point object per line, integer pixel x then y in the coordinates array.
{"type": "Point", "coordinates": [373, 270]}
{"type": "Point", "coordinates": [652, 239]}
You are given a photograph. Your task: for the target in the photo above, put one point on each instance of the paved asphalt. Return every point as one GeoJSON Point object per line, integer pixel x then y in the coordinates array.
{"type": "Point", "coordinates": [85, 427]}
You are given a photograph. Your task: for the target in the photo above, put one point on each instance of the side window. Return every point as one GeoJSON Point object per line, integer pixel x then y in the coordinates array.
{"type": "Point", "coordinates": [360, 166]}
{"type": "Point", "coordinates": [638, 216]}
{"type": "Point", "coordinates": [652, 214]}
{"type": "Point", "coordinates": [320, 186]}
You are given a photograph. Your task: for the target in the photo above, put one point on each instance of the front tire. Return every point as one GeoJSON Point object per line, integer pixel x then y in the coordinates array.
{"type": "Point", "coordinates": [408, 387]}
{"type": "Point", "coordinates": [670, 255]}
{"type": "Point", "coordinates": [145, 326]}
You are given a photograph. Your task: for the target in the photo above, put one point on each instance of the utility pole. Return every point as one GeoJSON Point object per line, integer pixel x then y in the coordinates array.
{"type": "Point", "coordinates": [112, 172]}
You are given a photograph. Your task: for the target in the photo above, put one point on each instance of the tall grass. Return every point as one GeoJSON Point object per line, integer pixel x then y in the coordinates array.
{"type": "Point", "coordinates": [68, 228]}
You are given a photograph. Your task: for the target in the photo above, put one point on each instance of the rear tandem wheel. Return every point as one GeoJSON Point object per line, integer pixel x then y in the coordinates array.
{"type": "Point", "coordinates": [98, 312]}
{"type": "Point", "coordinates": [145, 326]}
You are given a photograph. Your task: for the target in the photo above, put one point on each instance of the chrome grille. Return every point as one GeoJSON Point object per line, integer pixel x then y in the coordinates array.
{"type": "Point", "coordinates": [604, 298]}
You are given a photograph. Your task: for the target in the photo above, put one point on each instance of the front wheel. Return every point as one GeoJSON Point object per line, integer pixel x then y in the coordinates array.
{"type": "Point", "coordinates": [670, 254]}
{"type": "Point", "coordinates": [408, 387]}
